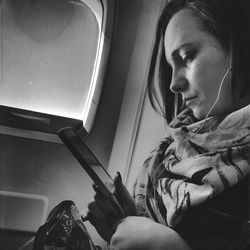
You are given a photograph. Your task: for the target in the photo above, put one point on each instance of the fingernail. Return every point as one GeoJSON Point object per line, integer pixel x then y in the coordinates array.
{"type": "Point", "coordinates": [85, 218]}
{"type": "Point", "coordinates": [118, 179]}
{"type": "Point", "coordinates": [119, 175]}
{"type": "Point", "coordinates": [95, 187]}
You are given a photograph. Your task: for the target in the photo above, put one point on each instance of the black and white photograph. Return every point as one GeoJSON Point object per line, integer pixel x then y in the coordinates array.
{"type": "Point", "coordinates": [124, 125]}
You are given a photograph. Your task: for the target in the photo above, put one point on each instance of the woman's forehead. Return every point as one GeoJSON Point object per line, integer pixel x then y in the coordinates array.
{"type": "Point", "coordinates": [184, 27]}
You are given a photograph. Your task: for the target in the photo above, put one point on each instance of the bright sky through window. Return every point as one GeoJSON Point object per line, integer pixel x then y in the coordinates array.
{"type": "Point", "coordinates": [48, 55]}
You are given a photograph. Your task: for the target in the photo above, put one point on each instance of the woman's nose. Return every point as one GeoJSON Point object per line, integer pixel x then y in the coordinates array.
{"type": "Point", "coordinates": [179, 83]}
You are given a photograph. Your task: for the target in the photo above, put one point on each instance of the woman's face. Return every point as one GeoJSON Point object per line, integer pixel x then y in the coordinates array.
{"type": "Point", "coordinates": [198, 66]}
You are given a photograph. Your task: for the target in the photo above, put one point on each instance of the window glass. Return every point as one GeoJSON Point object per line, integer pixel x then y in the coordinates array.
{"type": "Point", "coordinates": [48, 52]}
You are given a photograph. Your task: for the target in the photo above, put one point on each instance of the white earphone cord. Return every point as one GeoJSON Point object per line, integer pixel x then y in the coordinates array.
{"type": "Point", "coordinates": [217, 99]}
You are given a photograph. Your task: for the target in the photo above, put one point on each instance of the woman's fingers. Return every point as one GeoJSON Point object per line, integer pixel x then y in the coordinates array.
{"type": "Point", "coordinates": [123, 196]}
{"type": "Point", "coordinates": [109, 204]}
{"type": "Point", "coordinates": [102, 208]}
{"type": "Point", "coordinates": [103, 224]}
{"type": "Point", "coordinates": [107, 207]}
{"type": "Point", "coordinates": [103, 212]}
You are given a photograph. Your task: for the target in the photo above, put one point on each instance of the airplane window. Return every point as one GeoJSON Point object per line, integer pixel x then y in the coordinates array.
{"type": "Point", "coordinates": [50, 55]}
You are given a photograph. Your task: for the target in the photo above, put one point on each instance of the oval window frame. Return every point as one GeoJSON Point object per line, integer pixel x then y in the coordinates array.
{"type": "Point", "coordinates": [41, 126]}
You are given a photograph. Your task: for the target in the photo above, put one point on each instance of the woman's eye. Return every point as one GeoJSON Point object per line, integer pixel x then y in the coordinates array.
{"type": "Point", "coordinates": [187, 57]}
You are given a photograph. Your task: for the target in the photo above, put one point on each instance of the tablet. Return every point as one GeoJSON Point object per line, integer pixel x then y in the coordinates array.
{"type": "Point", "coordinates": [72, 139]}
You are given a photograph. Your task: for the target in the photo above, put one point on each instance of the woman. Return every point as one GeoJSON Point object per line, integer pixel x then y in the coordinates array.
{"type": "Point", "coordinates": [192, 191]}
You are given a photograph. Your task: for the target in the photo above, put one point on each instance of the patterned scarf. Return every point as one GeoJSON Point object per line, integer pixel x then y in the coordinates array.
{"type": "Point", "coordinates": [197, 161]}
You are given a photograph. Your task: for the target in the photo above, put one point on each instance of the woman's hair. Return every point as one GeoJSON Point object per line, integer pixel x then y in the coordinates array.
{"type": "Point", "coordinates": [227, 21]}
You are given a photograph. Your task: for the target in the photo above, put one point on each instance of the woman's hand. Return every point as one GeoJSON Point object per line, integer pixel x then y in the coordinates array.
{"type": "Point", "coordinates": [140, 233]}
{"type": "Point", "coordinates": [103, 215]}
{"type": "Point", "coordinates": [123, 196]}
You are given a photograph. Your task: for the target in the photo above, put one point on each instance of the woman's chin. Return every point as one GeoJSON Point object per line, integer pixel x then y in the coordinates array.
{"type": "Point", "coordinates": [199, 114]}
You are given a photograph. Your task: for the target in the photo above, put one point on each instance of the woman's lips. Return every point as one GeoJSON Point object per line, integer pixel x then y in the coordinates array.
{"type": "Point", "coordinates": [189, 101]}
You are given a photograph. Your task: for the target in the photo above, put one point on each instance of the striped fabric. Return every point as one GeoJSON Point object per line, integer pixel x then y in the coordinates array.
{"type": "Point", "coordinates": [195, 162]}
